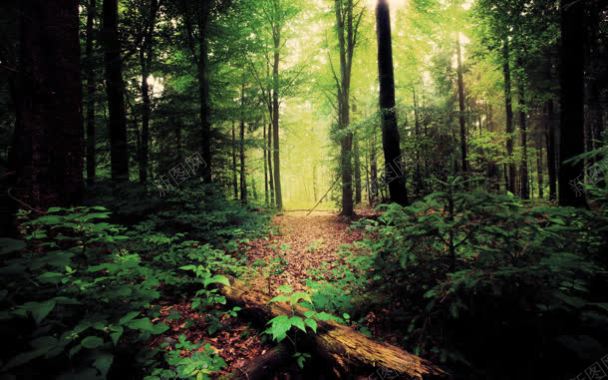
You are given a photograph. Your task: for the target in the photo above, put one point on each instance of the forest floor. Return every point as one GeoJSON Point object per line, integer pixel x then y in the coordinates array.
{"type": "Point", "coordinates": [297, 244]}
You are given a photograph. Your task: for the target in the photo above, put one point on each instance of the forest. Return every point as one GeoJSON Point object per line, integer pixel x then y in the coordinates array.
{"type": "Point", "coordinates": [304, 189]}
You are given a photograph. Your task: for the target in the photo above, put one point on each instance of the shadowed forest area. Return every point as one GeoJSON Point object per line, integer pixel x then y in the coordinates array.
{"type": "Point", "coordinates": [304, 189]}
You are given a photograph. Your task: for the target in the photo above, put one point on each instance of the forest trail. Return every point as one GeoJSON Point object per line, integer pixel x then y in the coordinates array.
{"type": "Point", "coordinates": [298, 244]}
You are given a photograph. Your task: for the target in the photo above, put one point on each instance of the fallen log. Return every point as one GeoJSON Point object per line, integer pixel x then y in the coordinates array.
{"type": "Point", "coordinates": [348, 350]}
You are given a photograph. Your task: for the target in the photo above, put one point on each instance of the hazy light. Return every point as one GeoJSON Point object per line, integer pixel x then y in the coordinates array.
{"type": "Point", "coordinates": [393, 4]}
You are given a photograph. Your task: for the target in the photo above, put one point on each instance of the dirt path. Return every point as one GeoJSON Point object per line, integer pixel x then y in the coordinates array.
{"type": "Point", "coordinates": [301, 244]}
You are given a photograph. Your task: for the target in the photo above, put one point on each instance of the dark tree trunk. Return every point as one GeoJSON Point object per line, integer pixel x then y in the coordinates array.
{"type": "Point", "coordinates": [117, 121]}
{"type": "Point", "coordinates": [509, 115]}
{"type": "Point", "coordinates": [461, 115]}
{"type": "Point", "coordinates": [394, 172]}
{"type": "Point", "coordinates": [243, 175]}
{"type": "Point", "coordinates": [550, 141]}
{"type": "Point", "coordinates": [523, 125]}
{"type": "Point", "coordinates": [572, 136]}
{"type": "Point", "coordinates": [275, 119]}
{"type": "Point", "coordinates": [89, 74]}
{"type": "Point", "coordinates": [418, 185]}
{"type": "Point", "coordinates": [235, 186]}
{"type": "Point", "coordinates": [373, 172]}
{"type": "Point", "coordinates": [203, 84]}
{"type": "Point", "coordinates": [266, 195]}
{"type": "Point", "coordinates": [539, 166]}
{"type": "Point", "coordinates": [145, 60]}
{"type": "Point", "coordinates": [49, 141]}
{"type": "Point", "coordinates": [357, 166]}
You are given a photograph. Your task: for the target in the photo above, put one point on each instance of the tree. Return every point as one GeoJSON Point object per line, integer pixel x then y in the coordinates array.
{"type": "Point", "coordinates": [117, 121]}
{"type": "Point", "coordinates": [572, 79]}
{"type": "Point", "coordinates": [461, 114]}
{"type": "Point", "coordinates": [48, 144]}
{"type": "Point", "coordinates": [89, 76]}
{"type": "Point", "coordinates": [394, 173]}
{"type": "Point", "coordinates": [203, 83]}
{"type": "Point", "coordinates": [509, 113]}
{"type": "Point", "coordinates": [347, 26]}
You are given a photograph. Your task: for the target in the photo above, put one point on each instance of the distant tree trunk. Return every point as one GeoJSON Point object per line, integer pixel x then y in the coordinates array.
{"type": "Point", "coordinates": [509, 114]}
{"type": "Point", "coordinates": [145, 60]}
{"type": "Point", "coordinates": [48, 143]}
{"type": "Point", "coordinates": [390, 133]}
{"type": "Point", "coordinates": [275, 117]}
{"type": "Point", "coordinates": [89, 74]}
{"type": "Point", "coordinates": [373, 171]}
{"type": "Point", "coordinates": [418, 174]}
{"type": "Point", "coordinates": [550, 140]}
{"type": "Point", "coordinates": [523, 124]}
{"type": "Point", "coordinates": [117, 120]}
{"type": "Point", "coordinates": [539, 166]}
{"type": "Point", "coordinates": [357, 165]}
{"type": "Point", "coordinates": [462, 114]}
{"type": "Point", "coordinates": [572, 136]}
{"type": "Point", "coordinates": [243, 175]}
{"type": "Point", "coordinates": [346, 29]}
{"type": "Point", "coordinates": [235, 187]}
{"type": "Point", "coordinates": [178, 141]}
{"type": "Point", "coordinates": [266, 195]}
{"type": "Point", "coordinates": [597, 72]}
{"type": "Point", "coordinates": [270, 171]}
{"type": "Point", "coordinates": [203, 83]}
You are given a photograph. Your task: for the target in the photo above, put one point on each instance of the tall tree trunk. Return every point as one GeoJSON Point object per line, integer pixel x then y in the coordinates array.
{"type": "Point", "coordinates": [357, 166]}
{"type": "Point", "coordinates": [203, 83]}
{"type": "Point", "coordinates": [344, 29]}
{"type": "Point", "coordinates": [523, 125]}
{"type": "Point", "coordinates": [390, 133]}
{"type": "Point", "coordinates": [275, 118]}
{"type": "Point", "coordinates": [418, 186]}
{"type": "Point", "coordinates": [243, 175]}
{"type": "Point", "coordinates": [266, 198]}
{"type": "Point", "coordinates": [572, 136]}
{"type": "Point", "coordinates": [49, 141]}
{"type": "Point", "coordinates": [117, 121]}
{"type": "Point", "coordinates": [270, 171]}
{"type": "Point", "coordinates": [539, 166]}
{"type": "Point", "coordinates": [509, 114]}
{"type": "Point", "coordinates": [550, 141]}
{"type": "Point", "coordinates": [235, 186]}
{"type": "Point", "coordinates": [145, 60]}
{"type": "Point", "coordinates": [462, 115]}
{"type": "Point", "coordinates": [91, 86]}
{"type": "Point", "coordinates": [373, 171]}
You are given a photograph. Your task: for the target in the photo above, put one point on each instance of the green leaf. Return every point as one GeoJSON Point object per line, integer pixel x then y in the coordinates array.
{"type": "Point", "coordinates": [217, 279]}
{"type": "Point", "coordinates": [102, 363]}
{"type": "Point", "coordinates": [23, 358]}
{"type": "Point", "coordinates": [298, 322]}
{"type": "Point", "coordinates": [116, 334]}
{"type": "Point", "coordinates": [40, 310]}
{"type": "Point", "coordinates": [311, 323]}
{"type": "Point", "coordinates": [296, 297]}
{"type": "Point", "coordinates": [8, 245]}
{"type": "Point", "coordinates": [91, 342]}
{"type": "Point", "coordinates": [280, 298]}
{"type": "Point", "coordinates": [286, 289]}
{"type": "Point", "coordinates": [128, 317]}
{"type": "Point", "coordinates": [279, 326]}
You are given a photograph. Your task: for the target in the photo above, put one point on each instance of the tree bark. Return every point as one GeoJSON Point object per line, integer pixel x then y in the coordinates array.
{"type": "Point", "coordinates": [509, 115]}
{"type": "Point", "coordinates": [235, 186]}
{"type": "Point", "coordinates": [89, 74]}
{"type": "Point", "coordinates": [461, 115]}
{"type": "Point", "coordinates": [550, 141]}
{"type": "Point", "coordinates": [523, 125]}
{"type": "Point", "coordinates": [357, 167]}
{"type": "Point", "coordinates": [275, 117]}
{"type": "Point", "coordinates": [48, 144]}
{"type": "Point", "coordinates": [394, 171]}
{"type": "Point", "coordinates": [266, 195]}
{"type": "Point", "coordinates": [243, 175]}
{"type": "Point", "coordinates": [117, 120]}
{"type": "Point", "coordinates": [572, 136]}
{"type": "Point", "coordinates": [203, 84]}
{"type": "Point", "coordinates": [418, 185]}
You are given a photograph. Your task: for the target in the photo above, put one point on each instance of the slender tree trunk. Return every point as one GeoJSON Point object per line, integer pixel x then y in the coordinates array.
{"type": "Point", "coordinates": [91, 86]}
{"type": "Point", "coordinates": [117, 121]}
{"type": "Point", "coordinates": [373, 172]}
{"type": "Point", "coordinates": [266, 195]}
{"type": "Point", "coordinates": [145, 59]}
{"type": "Point", "coordinates": [48, 144]}
{"type": "Point", "coordinates": [235, 186]}
{"type": "Point", "coordinates": [357, 165]}
{"type": "Point", "coordinates": [539, 166]}
{"type": "Point", "coordinates": [462, 114]}
{"type": "Point", "coordinates": [390, 132]}
{"type": "Point", "coordinates": [418, 186]}
{"type": "Point", "coordinates": [270, 171]}
{"type": "Point", "coordinates": [275, 119]}
{"type": "Point", "coordinates": [550, 141]}
{"type": "Point", "coordinates": [243, 175]}
{"type": "Point", "coordinates": [509, 114]}
{"type": "Point", "coordinates": [572, 136]}
{"type": "Point", "coordinates": [523, 124]}
{"type": "Point", "coordinates": [203, 83]}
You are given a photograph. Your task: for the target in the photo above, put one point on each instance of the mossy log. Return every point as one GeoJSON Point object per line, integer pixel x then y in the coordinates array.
{"type": "Point", "coordinates": [346, 349]}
